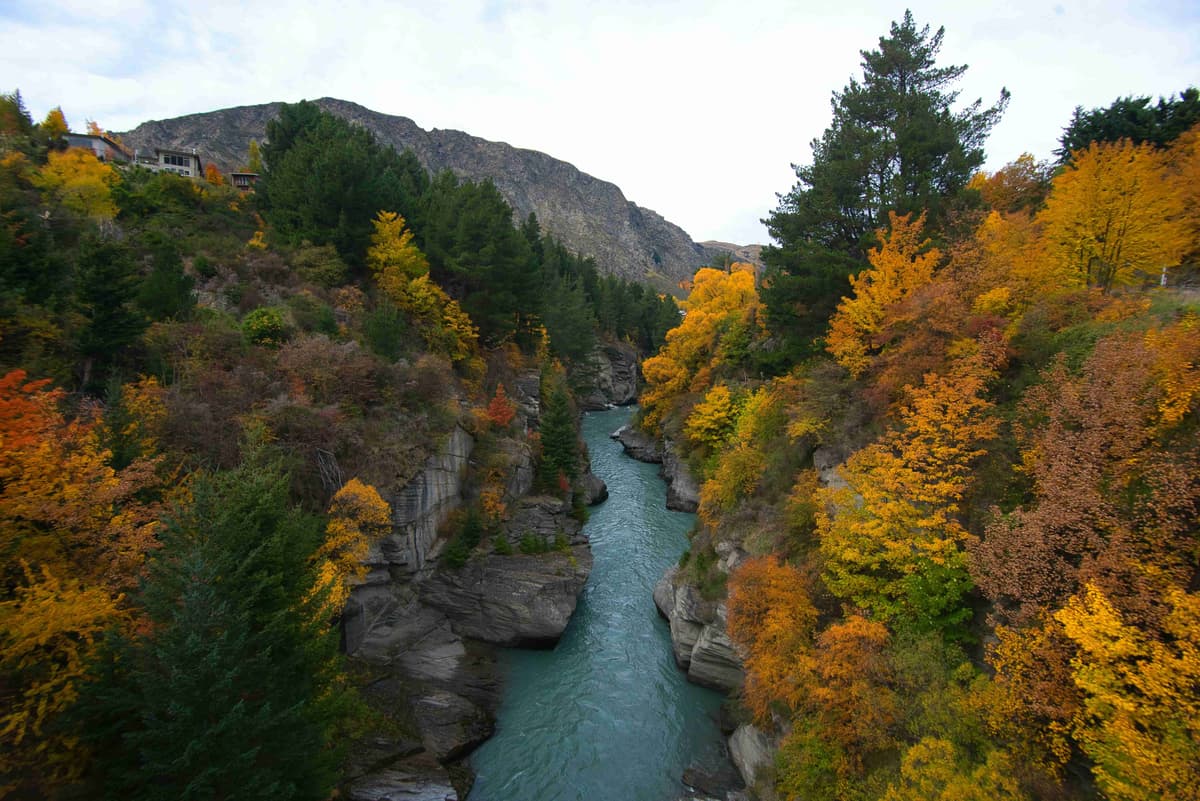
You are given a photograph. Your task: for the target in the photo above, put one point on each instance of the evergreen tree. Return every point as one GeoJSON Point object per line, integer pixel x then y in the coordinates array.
{"type": "Point", "coordinates": [1132, 118]}
{"type": "Point", "coordinates": [167, 291]}
{"type": "Point", "coordinates": [895, 144]}
{"type": "Point", "coordinates": [569, 321]}
{"type": "Point", "coordinates": [556, 425]}
{"type": "Point", "coordinates": [107, 284]}
{"type": "Point", "coordinates": [232, 693]}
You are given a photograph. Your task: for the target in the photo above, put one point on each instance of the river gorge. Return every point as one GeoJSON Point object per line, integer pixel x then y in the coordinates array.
{"type": "Point", "coordinates": [606, 714]}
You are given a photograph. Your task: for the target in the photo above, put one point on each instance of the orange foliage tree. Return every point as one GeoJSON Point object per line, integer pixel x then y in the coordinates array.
{"type": "Point", "coordinates": [357, 515]}
{"type": "Point", "coordinates": [501, 410]}
{"type": "Point", "coordinates": [901, 264]}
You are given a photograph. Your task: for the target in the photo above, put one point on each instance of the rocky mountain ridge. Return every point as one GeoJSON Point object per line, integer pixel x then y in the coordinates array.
{"type": "Point", "coordinates": [587, 214]}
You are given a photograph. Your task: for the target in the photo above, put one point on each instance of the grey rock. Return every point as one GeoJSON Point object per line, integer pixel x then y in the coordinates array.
{"type": "Point", "coordinates": [421, 505]}
{"type": "Point", "coordinates": [450, 725]}
{"type": "Point", "coordinates": [611, 373]}
{"type": "Point", "coordinates": [545, 517]}
{"type": "Point", "coordinates": [684, 636]}
{"type": "Point", "coordinates": [526, 392]}
{"type": "Point", "coordinates": [683, 491]}
{"type": "Point", "coordinates": [588, 215]}
{"type": "Point", "coordinates": [638, 445]}
{"type": "Point", "coordinates": [594, 489]}
{"type": "Point", "coordinates": [713, 779]}
{"type": "Point", "coordinates": [664, 592]}
{"type": "Point", "coordinates": [404, 784]}
{"type": "Point", "coordinates": [715, 662]}
{"type": "Point", "coordinates": [511, 600]}
{"type": "Point", "coordinates": [751, 752]}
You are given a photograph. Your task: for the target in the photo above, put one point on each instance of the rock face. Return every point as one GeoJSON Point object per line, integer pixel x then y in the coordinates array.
{"type": "Point", "coordinates": [588, 215]}
{"type": "Point", "coordinates": [612, 373]}
{"type": "Point", "coordinates": [511, 600]}
{"type": "Point", "coordinates": [683, 493]}
{"type": "Point", "coordinates": [638, 445]}
{"type": "Point", "coordinates": [698, 637]}
{"type": "Point", "coordinates": [751, 752]}
{"type": "Point", "coordinates": [420, 506]}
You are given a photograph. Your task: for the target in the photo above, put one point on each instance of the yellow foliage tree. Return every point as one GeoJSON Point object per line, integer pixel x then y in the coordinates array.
{"type": "Point", "coordinates": [719, 301]}
{"type": "Point", "coordinates": [901, 264]}
{"type": "Point", "coordinates": [890, 535]}
{"type": "Point", "coordinates": [712, 421]}
{"type": "Point", "coordinates": [55, 124]}
{"type": "Point", "coordinates": [1115, 215]}
{"type": "Point", "coordinates": [1140, 721]}
{"type": "Point", "coordinates": [934, 770]}
{"type": "Point", "coordinates": [47, 633]}
{"type": "Point", "coordinates": [356, 516]}
{"type": "Point", "coordinates": [75, 179]}
{"type": "Point", "coordinates": [392, 257]}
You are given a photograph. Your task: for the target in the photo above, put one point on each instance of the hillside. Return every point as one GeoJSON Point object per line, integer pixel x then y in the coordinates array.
{"type": "Point", "coordinates": [589, 215]}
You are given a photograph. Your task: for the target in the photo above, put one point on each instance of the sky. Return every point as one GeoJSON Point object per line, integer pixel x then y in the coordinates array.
{"type": "Point", "coordinates": [696, 108]}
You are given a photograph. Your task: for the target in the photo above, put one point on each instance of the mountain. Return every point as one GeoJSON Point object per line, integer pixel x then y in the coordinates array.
{"type": "Point", "coordinates": [587, 214]}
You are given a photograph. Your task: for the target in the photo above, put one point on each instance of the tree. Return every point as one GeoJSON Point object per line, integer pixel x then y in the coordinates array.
{"type": "Point", "coordinates": [357, 516]}
{"type": "Point", "coordinates": [54, 127]}
{"type": "Point", "coordinates": [254, 157]}
{"type": "Point", "coordinates": [233, 690]}
{"type": "Point", "coordinates": [556, 426]}
{"type": "Point", "coordinates": [213, 175]}
{"type": "Point", "coordinates": [896, 144]}
{"type": "Point", "coordinates": [1114, 216]}
{"type": "Point", "coordinates": [107, 286]}
{"type": "Point", "coordinates": [76, 180]}
{"type": "Point", "coordinates": [501, 410]}
{"type": "Point", "coordinates": [901, 264]}
{"type": "Point", "coordinates": [1131, 118]}
{"type": "Point", "coordinates": [392, 257]}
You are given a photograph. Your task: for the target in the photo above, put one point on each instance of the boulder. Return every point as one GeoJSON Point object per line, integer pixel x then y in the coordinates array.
{"type": "Point", "coordinates": [664, 592]}
{"type": "Point", "coordinates": [713, 779]}
{"type": "Point", "coordinates": [450, 725]}
{"type": "Point", "coordinates": [594, 489]}
{"type": "Point", "coordinates": [611, 374]}
{"type": "Point", "coordinates": [511, 600]}
{"type": "Point", "coordinates": [545, 517]}
{"type": "Point", "coordinates": [638, 445]}
{"type": "Point", "coordinates": [751, 752]}
{"type": "Point", "coordinates": [385, 769]}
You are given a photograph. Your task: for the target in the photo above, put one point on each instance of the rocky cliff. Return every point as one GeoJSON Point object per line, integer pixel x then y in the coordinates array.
{"type": "Point", "coordinates": [589, 215]}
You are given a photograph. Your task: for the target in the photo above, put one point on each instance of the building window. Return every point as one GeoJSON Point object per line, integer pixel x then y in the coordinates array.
{"type": "Point", "coordinates": [176, 161]}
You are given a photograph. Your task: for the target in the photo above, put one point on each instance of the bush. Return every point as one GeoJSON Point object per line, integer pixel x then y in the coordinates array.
{"type": "Point", "coordinates": [533, 544]}
{"type": "Point", "coordinates": [386, 331]}
{"type": "Point", "coordinates": [264, 326]}
{"type": "Point", "coordinates": [502, 546]}
{"type": "Point", "coordinates": [320, 265]}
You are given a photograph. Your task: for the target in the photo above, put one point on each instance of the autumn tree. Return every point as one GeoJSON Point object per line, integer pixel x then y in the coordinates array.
{"type": "Point", "coordinates": [902, 263]}
{"type": "Point", "coordinates": [357, 516]}
{"type": "Point", "coordinates": [213, 175]}
{"type": "Point", "coordinates": [721, 308]}
{"type": "Point", "coordinates": [1114, 217]}
{"type": "Point", "coordinates": [54, 127]}
{"type": "Point", "coordinates": [896, 143]}
{"type": "Point", "coordinates": [891, 535]}
{"type": "Point", "coordinates": [1140, 722]}
{"type": "Point", "coordinates": [393, 258]}
{"type": "Point", "coordinates": [773, 621]}
{"type": "Point", "coordinates": [501, 410]}
{"type": "Point", "coordinates": [74, 179]}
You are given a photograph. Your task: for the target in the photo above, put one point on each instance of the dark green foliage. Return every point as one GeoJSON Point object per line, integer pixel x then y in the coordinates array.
{"type": "Point", "coordinates": [478, 256]}
{"type": "Point", "coordinates": [466, 533]}
{"type": "Point", "coordinates": [107, 285]}
{"type": "Point", "coordinates": [386, 330]}
{"type": "Point", "coordinates": [569, 321]}
{"type": "Point", "coordinates": [231, 694]}
{"type": "Point", "coordinates": [895, 143]}
{"type": "Point", "coordinates": [1131, 118]}
{"type": "Point", "coordinates": [560, 450]}
{"type": "Point", "coordinates": [326, 179]}
{"type": "Point", "coordinates": [116, 426]}
{"type": "Point", "coordinates": [166, 293]}
{"type": "Point", "coordinates": [320, 265]}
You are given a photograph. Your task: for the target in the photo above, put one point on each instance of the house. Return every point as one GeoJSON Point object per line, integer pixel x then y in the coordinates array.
{"type": "Point", "coordinates": [243, 181]}
{"type": "Point", "coordinates": [180, 162]}
{"type": "Point", "coordinates": [104, 148]}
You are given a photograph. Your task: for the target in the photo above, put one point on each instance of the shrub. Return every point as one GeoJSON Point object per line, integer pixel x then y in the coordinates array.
{"type": "Point", "coordinates": [264, 326]}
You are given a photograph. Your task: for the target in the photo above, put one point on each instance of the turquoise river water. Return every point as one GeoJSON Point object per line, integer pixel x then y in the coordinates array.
{"type": "Point", "coordinates": [606, 715]}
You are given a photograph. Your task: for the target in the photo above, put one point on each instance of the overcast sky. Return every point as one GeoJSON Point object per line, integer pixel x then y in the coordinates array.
{"type": "Point", "coordinates": [695, 108]}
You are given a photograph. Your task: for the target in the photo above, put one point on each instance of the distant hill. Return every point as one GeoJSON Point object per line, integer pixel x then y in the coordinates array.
{"type": "Point", "coordinates": [587, 214]}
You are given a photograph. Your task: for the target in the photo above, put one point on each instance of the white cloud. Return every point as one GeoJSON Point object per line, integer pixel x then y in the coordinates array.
{"type": "Point", "coordinates": [695, 109]}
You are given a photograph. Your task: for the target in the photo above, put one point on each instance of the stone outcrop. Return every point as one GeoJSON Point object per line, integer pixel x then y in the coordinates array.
{"type": "Point", "coordinates": [638, 445]}
{"type": "Point", "coordinates": [612, 375]}
{"type": "Point", "coordinates": [586, 214]}
{"type": "Point", "coordinates": [420, 506]}
{"type": "Point", "coordinates": [683, 492]}
{"type": "Point", "coordinates": [698, 637]}
{"type": "Point", "coordinates": [383, 769]}
{"type": "Point", "coordinates": [511, 600]}
{"type": "Point", "coordinates": [751, 751]}
{"type": "Point", "coordinates": [594, 489]}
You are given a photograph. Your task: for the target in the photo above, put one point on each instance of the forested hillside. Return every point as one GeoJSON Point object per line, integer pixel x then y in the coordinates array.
{"type": "Point", "coordinates": [949, 452]}
{"type": "Point", "coordinates": [205, 395]}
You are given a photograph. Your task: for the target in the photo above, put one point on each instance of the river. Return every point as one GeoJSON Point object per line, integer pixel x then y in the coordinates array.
{"type": "Point", "coordinates": [606, 715]}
